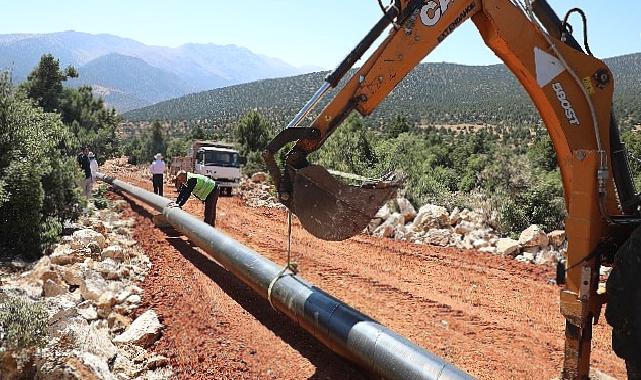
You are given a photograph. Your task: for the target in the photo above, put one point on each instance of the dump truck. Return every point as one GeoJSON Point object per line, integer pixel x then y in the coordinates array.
{"type": "Point", "coordinates": [216, 159]}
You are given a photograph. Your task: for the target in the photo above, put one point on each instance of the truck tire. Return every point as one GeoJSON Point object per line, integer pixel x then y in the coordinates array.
{"type": "Point", "coordinates": [623, 310]}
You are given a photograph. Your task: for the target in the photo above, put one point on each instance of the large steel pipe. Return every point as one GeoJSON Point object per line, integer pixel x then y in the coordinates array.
{"type": "Point", "coordinates": [346, 331]}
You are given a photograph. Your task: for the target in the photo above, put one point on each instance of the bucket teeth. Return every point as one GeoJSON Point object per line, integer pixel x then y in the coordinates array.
{"type": "Point", "coordinates": [332, 210]}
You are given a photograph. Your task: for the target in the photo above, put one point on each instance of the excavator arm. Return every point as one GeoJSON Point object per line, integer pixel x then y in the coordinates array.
{"type": "Point", "coordinates": [572, 91]}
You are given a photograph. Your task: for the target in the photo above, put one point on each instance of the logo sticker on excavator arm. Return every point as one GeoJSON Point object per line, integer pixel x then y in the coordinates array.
{"type": "Point", "coordinates": [547, 67]}
{"type": "Point", "coordinates": [570, 114]}
{"type": "Point", "coordinates": [432, 11]}
{"type": "Point", "coordinates": [587, 83]}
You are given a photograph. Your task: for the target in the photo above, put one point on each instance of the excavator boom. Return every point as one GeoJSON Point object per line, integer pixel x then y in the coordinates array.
{"type": "Point", "coordinates": [572, 91]}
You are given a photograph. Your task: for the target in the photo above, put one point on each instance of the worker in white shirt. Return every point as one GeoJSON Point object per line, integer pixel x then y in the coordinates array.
{"type": "Point", "coordinates": [157, 169]}
{"type": "Point", "coordinates": [93, 165]}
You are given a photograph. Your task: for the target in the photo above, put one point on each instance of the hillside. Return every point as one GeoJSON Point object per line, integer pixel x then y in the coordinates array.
{"type": "Point", "coordinates": [434, 93]}
{"type": "Point", "coordinates": [129, 76]}
{"type": "Point", "coordinates": [106, 59]}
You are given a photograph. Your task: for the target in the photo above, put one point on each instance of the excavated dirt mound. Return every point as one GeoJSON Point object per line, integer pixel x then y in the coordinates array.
{"type": "Point", "coordinates": [494, 317]}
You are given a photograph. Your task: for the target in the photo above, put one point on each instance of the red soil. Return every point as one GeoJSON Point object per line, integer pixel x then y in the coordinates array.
{"type": "Point", "coordinates": [492, 316]}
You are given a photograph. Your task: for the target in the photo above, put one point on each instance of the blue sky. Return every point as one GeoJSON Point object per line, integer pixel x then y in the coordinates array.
{"type": "Point", "coordinates": [301, 32]}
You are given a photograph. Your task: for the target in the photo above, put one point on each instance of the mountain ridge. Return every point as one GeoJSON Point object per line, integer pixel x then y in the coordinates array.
{"type": "Point", "coordinates": [199, 66]}
{"type": "Point", "coordinates": [431, 94]}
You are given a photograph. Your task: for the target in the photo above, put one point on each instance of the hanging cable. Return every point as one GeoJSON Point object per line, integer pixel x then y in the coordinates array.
{"type": "Point", "coordinates": [566, 28]}
{"type": "Point", "coordinates": [397, 5]}
{"type": "Point", "coordinates": [291, 266]}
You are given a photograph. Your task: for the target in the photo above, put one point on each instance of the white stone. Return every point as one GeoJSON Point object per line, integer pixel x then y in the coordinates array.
{"type": "Point", "coordinates": [65, 255]}
{"type": "Point", "coordinates": [259, 177]}
{"type": "Point", "coordinates": [390, 226]}
{"type": "Point", "coordinates": [455, 216]}
{"type": "Point", "coordinates": [464, 227]}
{"type": "Point", "coordinates": [507, 246]}
{"type": "Point", "coordinates": [430, 216]}
{"type": "Point", "coordinates": [52, 289]}
{"type": "Point", "coordinates": [406, 209]}
{"type": "Point", "coordinates": [93, 286]}
{"type": "Point", "coordinates": [383, 213]}
{"type": "Point", "coordinates": [533, 236]}
{"type": "Point", "coordinates": [487, 249]}
{"type": "Point", "coordinates": [87, 236]}
{"type": "Point", "coordinates": [109, 269]}
{"type": "Point", "coordinates": [87, 311]}
{"type": "Point", "coordinates": [480, 243]}
{"type": "Point", "coordinates": [143, 331]}
{"type": "Point", "coordinates": [556, 238]}
{"type": "Point", "coordinates": [97, 365]}
{"type": "Point", "coordinates": [528, 257]}
{"type": "Point", "coordinates": [105, 303]}
{"type": "Point", "coordinates": [373, 224]}
{"type": "Point", "coordinates": [134, 299]}
{"type": "Point", "coordinates": [440, 237]}
{"type": "Point", "coordinates": [73, 274]}
{"type": "Point", "coordinates": [113, 252]}
{"type": "Point", "coordinates": [546, 256]}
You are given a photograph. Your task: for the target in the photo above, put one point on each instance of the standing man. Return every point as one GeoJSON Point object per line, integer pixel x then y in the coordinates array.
{"type": "Point", "coordinates": [201, 187]}
{"type": "Point", "coordinates": [157, 169]}
{"type": "Point", "coordinates": [85, 165]}
{"type": "Point", "coordinates": [93, 165]}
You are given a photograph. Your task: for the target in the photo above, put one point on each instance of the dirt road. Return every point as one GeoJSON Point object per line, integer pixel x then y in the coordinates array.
{"type": "Point", "coordinates": [494, 317]}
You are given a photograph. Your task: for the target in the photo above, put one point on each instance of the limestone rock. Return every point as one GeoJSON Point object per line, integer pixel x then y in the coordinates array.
{"type": "Point", "coordinates": [390, 226]}
{"type": "Point", "coordinates": [65, 255]}
{"type": "Point", "coordinates": [109, 269]}
{"type": "Point", "coordinates": [105, 303]}
{"type": "Point", "coordinates": [118, 322]}
{"type": "Point", "coordinates": [73, 274]}
{"type": "Point", "coordinates": [488, 249]}
{"type": "Point", "coordinates": [430, 216]}
{"type": "Point", "coordinates": [480, 243]}
{"type": "Point", "coordinates": [533, 236]}
{"type": "Point", "coordinates": [406, 209]}
{"type": "Point", "coordinates": [455, 216]}
{"type": "Point", "coordinates": [557, 238]}
{"type": "Point", "coordinates": [440, 237]}
{"type": "Point", "coordinates": [143, 331]}
{"type": "Point", "coordinates": [464, 227]}
{"type": "Point", "coordinates": [157, 361]}
{"type": "Point", "coordinates": [507, 246]}
{"type": "Point", "coordinates": [85, 237]}
{"type": "Point", "coordinates": [384, 212]}
{"type": "Point", "coordinates": [51, 288]}
{"type": "Point", "coordinates": [114, 252]}
{"type": "Point", "coordinates": [259, 177]}
{"type": "Point", "coordinates": [87, 311]}
{"type": "Point", "coordinates": [546, 256]}
{"type": "Point", "coordinates": [93, 286]}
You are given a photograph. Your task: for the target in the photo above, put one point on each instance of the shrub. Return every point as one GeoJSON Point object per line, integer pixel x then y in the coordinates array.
{"type": "Point", "coordinates": [23, 324]}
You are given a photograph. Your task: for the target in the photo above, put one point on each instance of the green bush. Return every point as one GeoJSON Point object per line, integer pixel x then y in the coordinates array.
{"type": "Point", "coordinates": [38, 183]}
{"type": "Point", "coordinates": [23, 324]}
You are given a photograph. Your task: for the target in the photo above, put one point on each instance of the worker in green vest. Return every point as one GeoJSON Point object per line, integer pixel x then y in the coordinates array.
{"type": "Point", "coordinates": [203, 188]}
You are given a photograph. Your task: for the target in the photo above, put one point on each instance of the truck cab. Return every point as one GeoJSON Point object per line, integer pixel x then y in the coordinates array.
{"type": "Point", "coordinates": [221, 164]}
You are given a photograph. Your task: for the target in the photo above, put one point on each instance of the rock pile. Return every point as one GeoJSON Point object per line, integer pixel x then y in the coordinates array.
{"type": "Point", "coordinates": [88, 287]}
{"type": "Point", "coordinates": [465, 229]}
{"type": "Point", "coordinates": [256, 192]}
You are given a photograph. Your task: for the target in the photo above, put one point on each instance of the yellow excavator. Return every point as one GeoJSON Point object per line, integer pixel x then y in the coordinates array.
{"type": "Point", "coordinates": [572, 91]}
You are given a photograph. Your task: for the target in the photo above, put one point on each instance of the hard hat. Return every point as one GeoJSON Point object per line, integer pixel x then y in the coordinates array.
{"type": "Point", "coordinates": [158, 156]}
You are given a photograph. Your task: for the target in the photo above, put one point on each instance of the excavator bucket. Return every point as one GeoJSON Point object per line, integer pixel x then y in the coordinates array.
{"type": "Point", "coordinates": [332, 210]}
